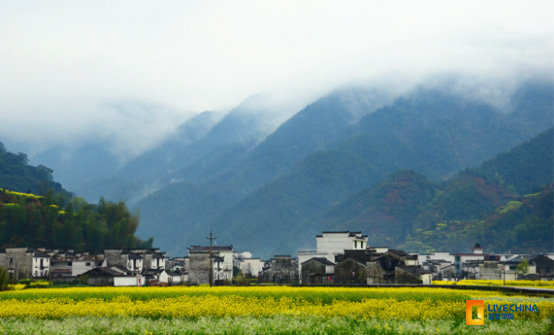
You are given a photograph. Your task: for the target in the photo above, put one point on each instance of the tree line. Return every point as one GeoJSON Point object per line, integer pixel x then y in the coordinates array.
{"type": "Point", "coordinates": [59, 221]}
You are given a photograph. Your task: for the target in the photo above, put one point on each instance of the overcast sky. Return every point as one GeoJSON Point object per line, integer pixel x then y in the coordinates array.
{"type": "Point", "coordinates": [131, 71]}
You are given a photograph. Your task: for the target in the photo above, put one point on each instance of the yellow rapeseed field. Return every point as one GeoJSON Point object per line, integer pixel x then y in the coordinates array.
{"type": "Point", "coordinates": [515, 283]}
{"type": "Point", "coordinates": [194, 302]}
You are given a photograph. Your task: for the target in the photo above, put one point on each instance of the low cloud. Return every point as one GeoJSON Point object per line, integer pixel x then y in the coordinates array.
{"type": "Point", "coordinates": [133, 71]}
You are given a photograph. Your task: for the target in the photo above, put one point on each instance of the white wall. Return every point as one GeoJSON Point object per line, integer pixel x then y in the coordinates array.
{"type": "Point", "coordinates": [335, 243]}
{"type": "Point", "coordinates": [163, 278]}
{"type": "Point", "coordinates": [36, 267]}
{"type": "Point", "coordinates": [436, 256]}
{"type": "Point", "coordinates": [80, 267]}
{"type": "Point", "coordinates": [126, 281]}
{"type": "Point", "coordinates": [427, 279]}
{"type": "Point", "coordinates": [227, 263]}
{"type": "Point", "coordinates": [304, 256]}
{"type": "Point", "coordinates": [251, 266]}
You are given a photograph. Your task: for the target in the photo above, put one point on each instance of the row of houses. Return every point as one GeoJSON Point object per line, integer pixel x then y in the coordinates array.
{"type": "Point", "coordinates": [479, 265]}
{"type": "Point", "coordinates": [112, 267]}
{"type": "Point", "coordinates": [343, 257]}
{"type": "Point", "coordinates": [340, 258]}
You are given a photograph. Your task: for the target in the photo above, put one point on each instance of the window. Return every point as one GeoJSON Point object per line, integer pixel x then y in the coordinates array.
{"type": "Point", "coordinates": [355, 244]}
{"type": "Point", "coordinates": [69, 263]}
{"type": "Point", "coordinates": [87, 263]}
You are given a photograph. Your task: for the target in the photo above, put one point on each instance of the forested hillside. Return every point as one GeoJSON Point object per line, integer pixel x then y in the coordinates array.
{"type": "Point", "coordinates": [436, 134]}
{"type": "Point", "coordinates": [525, 168]}
{"type": "Point", "coordinates": [57, 221]}
{"type": "Point", "coordinates": [186, 205]}
{"type": "Point", "coordinates": [215, 174]}
{"type": "Point", "coordinates": [478, 205]}
{"type": "Point", "coordinates": [16, 174]}
{"type": "Point", "coordinates": [51, 217]}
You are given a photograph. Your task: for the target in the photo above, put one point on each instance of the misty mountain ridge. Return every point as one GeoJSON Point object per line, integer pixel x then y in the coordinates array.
{"type": "Point", "coordinates": [224, 180]}
{"type": "Point", "coordinates": [406, 207]}
{"type": "Point", "coordinates": [433, 133]}
{"type": "Point", "coordinates": [456, 134]}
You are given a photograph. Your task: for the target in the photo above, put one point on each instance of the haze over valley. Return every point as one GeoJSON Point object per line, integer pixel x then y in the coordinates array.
{"type": "Point", "coordinates": [419, 129]}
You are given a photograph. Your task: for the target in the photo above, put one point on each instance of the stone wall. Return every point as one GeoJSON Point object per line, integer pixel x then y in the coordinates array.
{"type": "Point", "coordinates": [198, 268]}
{"type": "Point", "coordinates": [405, 277]}
{"type": "Point", "coordinates": [350, 272]}
{"type": "Point", "coordinates": [313, 272]}
{"type": "Point", "coordinates": [18, 261]}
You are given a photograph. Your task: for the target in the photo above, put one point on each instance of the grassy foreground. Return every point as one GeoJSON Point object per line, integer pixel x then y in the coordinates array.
{"type": "Point", "coordinates": [260, 310]}
{"type": "Point", "coordinates": [281, 325]}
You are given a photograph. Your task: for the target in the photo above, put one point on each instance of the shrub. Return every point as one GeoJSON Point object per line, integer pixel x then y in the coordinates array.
{"type": "Point", "coordinates": [3, 279]}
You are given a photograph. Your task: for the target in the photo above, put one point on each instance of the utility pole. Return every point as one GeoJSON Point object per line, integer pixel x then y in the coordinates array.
{"type": "Point", "coordinates": [211, 238]}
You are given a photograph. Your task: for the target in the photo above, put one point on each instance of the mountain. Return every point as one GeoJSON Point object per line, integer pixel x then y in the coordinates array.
{"type": "Point", "coordinates": [390, 205]}
{"type": "Point", "coordinates": [240, 177]}
{"type": "Point", "coordinates": [202, 147]}
{"type": "Point", "coordinates": [479, 204]}
{"type": "Point", "coordinates": [434, 133]}
{"type": "Point", "coordinates": [320, 125]}
{"type": "Point", "coordinates": [17, 175]}
{"type": "Point", "coordinates": [524, 168]}
{"type": "Point", "coordinates": [140, 176]}
{"type": "Point", "coordinates": [80, 164]}
{"type": "Point", "coordinates": [35, 211]}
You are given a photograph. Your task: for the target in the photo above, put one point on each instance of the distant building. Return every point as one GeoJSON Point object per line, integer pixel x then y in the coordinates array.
{"type": "Point", "coordinates": [330, 244]}
{"type": "Point", "coordinates": [350, 271]}
{"type": "Point", "coordinates": [467, 264]}
{"type": "Point", "coordinates": [390, 266]}
{"type": "Point", "coordinates": [544, 266]}
{"type": "Point", "coordinates": [25, 263]}
{"type": "Point", "coordinates": [251, 267]}
{"type": "Point", "coordinates": [282, 269]}
{"type": "Point", "coordinates": [198, 265]}
{"type": "Point", "coordinates": [318, 270]}
{"type": "Point", "coordinates": [128, 259]}
{"type": "Point", "coordinates": [112, 276]}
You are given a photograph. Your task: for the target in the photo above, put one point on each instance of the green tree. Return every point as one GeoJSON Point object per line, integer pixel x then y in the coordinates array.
{"type": "Point", "coordinates": [3, 279]}
{"type": "Point", "coordinates": [523, 267]}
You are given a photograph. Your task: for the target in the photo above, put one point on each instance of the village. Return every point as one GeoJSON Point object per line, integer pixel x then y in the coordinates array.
{"type": "Point", "coordinates": [340, 258]}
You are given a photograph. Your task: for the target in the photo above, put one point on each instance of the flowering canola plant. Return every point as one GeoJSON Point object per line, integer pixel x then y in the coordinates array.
{"type": "Point", "coordinates": [516, 283]}
{"type": "Point", "coordinates": [196, 302]}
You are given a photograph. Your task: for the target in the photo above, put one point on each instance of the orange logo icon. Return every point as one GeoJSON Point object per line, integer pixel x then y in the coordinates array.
{"type": "Point", "coordinates": [475, 312]}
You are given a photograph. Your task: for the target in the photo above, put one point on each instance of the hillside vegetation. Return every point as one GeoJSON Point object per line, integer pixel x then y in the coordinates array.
{"type": "Point", "coordinates": [430, 132]}
{"type": "Point", "coordinates": [59, 222]}
{"type": "Point", "coordinates": [233, 177]}
{"type": "Point", "coordinates": [478, 205]}
{"type": "Point", "coordinates": [52, 218]}
{"type": "Point", "coordinates": [16, 174]}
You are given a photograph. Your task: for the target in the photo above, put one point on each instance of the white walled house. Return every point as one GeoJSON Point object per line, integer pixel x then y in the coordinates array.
{"type": "Point", "coordinates": [197, 265]}
{"type": "Point", "coordinates": [134, 262]}
{"type": "Point", "coordinates": [126, 281]}
{"type": "Point", "coordinates": [151, 258]}
{"type": "Point", "coordinates": [158, 261]}
{"type": "Point", "coordinates": [335, 242]}
{"type": "Point", "coordinates": [330, 244]}
{"type": "Point", "coordinates": [437, 256]}
{"type": "Point", "coordinates": [41, 264]}
{"type": "Point", "coordinates": [251, 266]}
{"type": "Point", "coordinates": [82, 265]}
